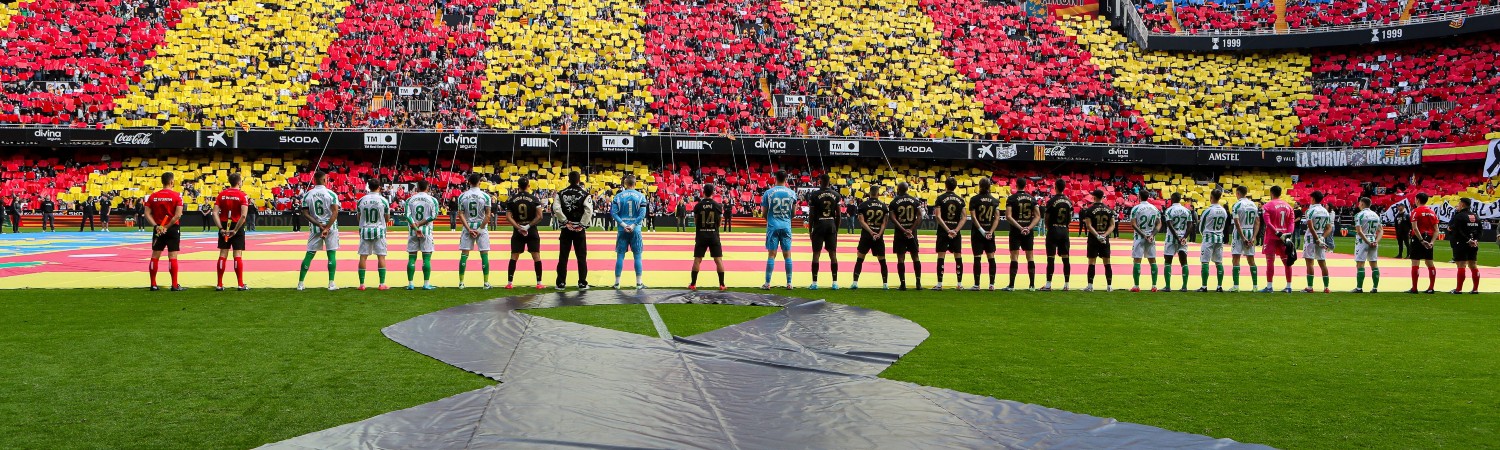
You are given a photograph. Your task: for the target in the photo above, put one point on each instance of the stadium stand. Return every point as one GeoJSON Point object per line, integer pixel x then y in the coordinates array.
{"type": "Point", "coordinates": [65, 61]}
{"type": "Point", "coordinates": [384, 47]}
{"type": "Point", "coordinates": [1202, 99]}
{"type": "Point", "coordinates": [1425, 91]}
{"type": "Point", "coordinates": [881, 73]}
{"type": "Point", "coordinates": [1061, 94]}
{"type": "Point", "coordinates": [232, 64]}
{"type": "Point", "coordinates": [563, 65]}
{"type": "Point", "coordinates": [1210, 17]}
{"type": "Point", "coordinates": [719, 64]}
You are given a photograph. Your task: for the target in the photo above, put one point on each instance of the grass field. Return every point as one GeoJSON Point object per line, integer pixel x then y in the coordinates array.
{"type": "Point", "coordinates": [199, 369]}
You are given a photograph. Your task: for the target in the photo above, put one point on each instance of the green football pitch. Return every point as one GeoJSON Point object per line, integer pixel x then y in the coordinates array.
{"type": "Point", "coordinates": [200, 369]}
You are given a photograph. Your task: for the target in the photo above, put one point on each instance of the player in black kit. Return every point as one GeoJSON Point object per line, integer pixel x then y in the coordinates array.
{"type": "Point", "coordinates": [575, 205]}
{"type": "Point", "coordinates": [872, 220]}
{"type": "Point", "coordinates": [524, 212]}
{"type": "Point", "coordinates": [1099, 223]}
{"type": "Point", "coordinates": [1058, 215]}
{"type": "Point", "coordinates": [950, 212]}
{"type": "Point", "coordinates": [1463, 237]}
{"type": "Point", "coordinates": [986, 211]}
{"type": "Point", "coordinates": [905, 215]}
{"type": "Point", "coordinates": [707, 217]}
{"type": "Point", "coordinates": [823, 219]}
{"type": "Point", "coordinates": [1022, 212]}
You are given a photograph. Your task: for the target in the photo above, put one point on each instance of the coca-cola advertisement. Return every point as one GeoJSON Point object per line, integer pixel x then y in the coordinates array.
{"type": "Point", "coordinates": [59, 137]}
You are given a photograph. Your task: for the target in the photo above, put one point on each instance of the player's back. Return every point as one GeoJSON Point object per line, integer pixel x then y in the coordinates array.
{"type": "Point", "coordinates": [1424, 220]}
{"type": "Point", "coordinates": [422, 208]}
{"type": "Point", "coordinates": [780, 202]}
{"type": "Point", "coordinates": [163, 204]}
{"type": "Point", "coordinates": [707, 214]}
{"type": "Point", "coordinates": [372, 209]}
{"type": "Point", "coordinates": [950, 209]}
{"type": "Point", "coordinates": [1059, 211]}
{"type": "Point", "coordinates": [1246, 214]}
{"type": "Point", "coordinates": [874, 212]}
{"type": "Point", "coordinates": [1278, 215]}
{"type": "Point", "coordinates": [905, 209]}
{"type": "Point", "coordinates": [321, 203]}
{"type": "Point", "coordinates": [229, 202]}
{"type": "Point", "coordinates": [1144, 216]}
{"type": "Point", "coordinates": [474, 203]}
{"type": "Point", "coordinates": [1318, 219]}
{"type": "Point", "coordinates": [1214, 222]}
{"type": "Point", "coordinates": [1368, 222]}
{"type": "Point", "coordinates": [1179, 216]}
{"type": "Point", "coordinates": [629, 205]}
{"type": "Point", "coordinates": [524, 207]}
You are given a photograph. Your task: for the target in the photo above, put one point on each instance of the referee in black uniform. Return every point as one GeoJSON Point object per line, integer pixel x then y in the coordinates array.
{"type": "Point", "coordinates": [823, 218]}
{"type": "Point", "coordinates": [707, 216]}
{"type": "Point", "coordinates": [575, 205]}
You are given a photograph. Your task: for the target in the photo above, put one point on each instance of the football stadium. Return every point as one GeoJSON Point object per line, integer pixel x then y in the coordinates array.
{"type": "Point", "coordinates": [749, 224]}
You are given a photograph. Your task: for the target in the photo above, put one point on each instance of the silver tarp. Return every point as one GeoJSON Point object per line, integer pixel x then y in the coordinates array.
{"type": "Point", "coordinates": [802, 377]}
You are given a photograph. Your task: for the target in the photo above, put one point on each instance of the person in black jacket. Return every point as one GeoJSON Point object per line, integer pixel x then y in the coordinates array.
{"type": "Point", "coordinates": [252, 216]}
{"type": "Point", "coordinates": [104, 208]}
{"type": "Point", "coordinates": [14, 208]}
{"type": "Point", "coordinates": [48, 208]}
{"type": "Point", "coordinates": [574, 207]}
{"type": "Point", "coordinates": [88, 209]}
{"type": "Point", "coordinates": [1403, 229]}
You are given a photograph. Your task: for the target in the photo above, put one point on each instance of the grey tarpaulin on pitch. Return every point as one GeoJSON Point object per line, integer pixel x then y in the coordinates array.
{"type": "Point", "coordinates": [803, 377]}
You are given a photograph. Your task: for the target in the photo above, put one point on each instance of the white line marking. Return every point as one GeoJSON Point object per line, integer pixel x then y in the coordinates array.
{"type": "Point", "coordinates": [661, 327]}
{"type": "Point", "coordinates": [93, 255]}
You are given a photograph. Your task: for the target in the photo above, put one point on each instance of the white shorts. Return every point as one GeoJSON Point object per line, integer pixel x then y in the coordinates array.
{"type": "Point", "coordinates": [1213, 253]}
{"type": "Point", "coordinates": [1175, 247]}
{"type": "Point", "coordinates": [416, 244]}
{"type": "Point", "coordinates": [1240, 247]}
{"type": "Point", "coordinates": [1311, 250]}
{"type": "Point", "coordinates": [320, 243]}
{"type": "Point", "coordinates": [1364, 252]}
{"type": "Point", "coordinates": [372, 247]}
{"type": "Point", "coordinates": [1143, 249]}
{"type": "Point", "coordinates": [481, 243]}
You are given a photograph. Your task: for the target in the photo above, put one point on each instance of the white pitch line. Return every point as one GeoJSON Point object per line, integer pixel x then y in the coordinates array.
{"type": "Point", "coordinates": [661, 327]}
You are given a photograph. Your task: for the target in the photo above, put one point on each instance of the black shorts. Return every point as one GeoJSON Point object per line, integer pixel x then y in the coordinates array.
{"type": "Point", "coordinates": [825, 235]}
{"type": "Point", "coordinates": [707, 242]}
{"type": "Point", "coordinates": [872, 244]}
{"type": "Point", "coordinates": [1058, 243]}
{"type": "Point", "coordinates": [528, 243]}
{"type": "Point", "coordinates": [1418, 252]}
{"type": "Point", "coordinates": [905, 244]}
{"type": "Point", "coordinates": [1463, 252]}
{"type": "Point", "coordinates": [235, 242]}
{"type": "Point", "coordinates": [978, 244]}
{"type": "Point", "coordinates": [170, 240]}
{"type": "Point", "coordinates": [947, 244]}
{"type": "Point", "coordinates": [1096, 249]}
{"type": "Point", "coordinates": [1020, 241]}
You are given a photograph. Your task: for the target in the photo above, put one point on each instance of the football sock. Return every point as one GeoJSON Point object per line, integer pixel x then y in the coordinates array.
{"type": "Point", "coordinates": [859, 265]}
{"type": "Point", "coordinates": [1236, 275]}
{"type": "Point", "coordinates": [1091, 274]}
{"type": "Point", "coordinates": [306, 264]}
{"type": "Point", "coordinates": [1153, 274]}
{"type": "Point", "coordinates": [1309, 279]}
{"type": "Point", "coordinates": [721, 274]}
{"type": "Point", "coordinates": [510, 272]}
{"type": "Point", "coordinates": [816, 265]}
{"type": "Point", "coordinates": [1136, 274]}
{"type": "Point", "coordinates": [1254, 275]}
{"type": "Point", "coordinates": [1219, 269]}
{"type": "Point", "coordinates": [1375, 277]}
{"type": "Point", "coordinates": [361, 275]}
{"type": "Point", "coordinates": [834, 264]}
{"type": "Point", "coordinates": [1067, 271]}
{"type": "Point", "coordinates": [942, 262]}
{"type": "Point", "coordinates": [992, 272]}
{"type": "Point", "coordinates": [637, 257]}
{"type": "Point", "coordinates": [788, 263]}
{"type": "Point", "coordinates": [900, 269]}
{"type": "Point", "coordinates": [152, 268]}
{"type": "Point", "coordinates": [172, 266]}
{"type": "Point", "coordinates": [1359, 278]}
{"type": "Point", "coordinates": [1168, 266]}
{"type": "Point", "coordinates": [694, 281]}
{"type": "Point", "coordinates": [1461, 276]}
{"type": "Point", "coordinates": [1431, 276]}
{"type": "Point", "coordinates": [333, 264]}
{"type": "Point", "coordinates": [382, 275]}
{"type": "Point", "coordinates": [885, 272]}
{"type": "Point", "coordinates": [484, 264]}
{"type": "Point", "coordinates": [619, 265]}
{"type": "Point", "coordinates": [1015, 266]}
{"type": "Point", "coordinates": [1030, 272]}
{"type": "Point", "coordinates": [1050, 261]}
{"type": "Point", "coordinates": [536, 266]}
{"type": "Point", "coordinates": [463, 266]}
{"type": "Point", "coordinates": [239, 269]}
{"type": "Point", "coordinates": [1270, 273]}
{"type": "Point", "coordinates": [222, 261]}
{"type": "Point", "coordinates": [1109, 274]}
{"type": "Point", "coordinates": [770, 265]}
{"type": "Point", "coordinates": [1414, 277]}
{"type": "Point", "coordinates": [426, 267]}
{"type": "Point", "coordinates": [1474, 275]}
{"type": "Point", "coordinates": [411, 267]}
{"type": "Point", "coordinates": [1203, 274]}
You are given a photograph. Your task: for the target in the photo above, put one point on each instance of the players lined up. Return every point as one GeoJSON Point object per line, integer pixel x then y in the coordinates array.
{"type": "Point", "coordinates": [1024, 214]}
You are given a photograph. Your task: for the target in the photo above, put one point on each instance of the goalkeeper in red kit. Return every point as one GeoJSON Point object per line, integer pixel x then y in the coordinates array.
{"type": "Point", "coordinates": [230, 209]}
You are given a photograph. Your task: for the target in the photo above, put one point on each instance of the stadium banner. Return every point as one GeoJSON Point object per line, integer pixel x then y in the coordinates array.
{"type": "Point", "coordinates": [1403, 155]}
{"type": "Point", "coordinates": [1455, 151]}
{"type": "Point", "coordinates": [776, 146]}
{"type": "Point", "coordinates": [1392, 33]}
{"type": "Point", "coordinates": [67, 137]}
{"type": "Point", "coordinates": [1001, 151]}
{"type": "Point", "coordinates": [1492, 159]}
{"type": "Point", "coordinates": [896, 149]}
{"type": "Point", "coordinates": [1246, 158]}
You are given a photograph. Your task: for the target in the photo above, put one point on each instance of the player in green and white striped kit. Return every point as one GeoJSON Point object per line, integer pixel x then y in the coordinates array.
{"type": "Point", "coordinates": [320, 206]}
{"type": "Point", "coordinates": [1147, 220]}
{"type": "Point", "coordinates": [374, 211]}
{"type": "Point", "coordinates": [1246, 220]}
{"type": "Point", "coordinates": [1211, 227]}
{"type": "Point", "coordinates": [1176, 218]}
{"type": "Point", "coordinates": [474, 215]}
{"type": "Point", "coordinates": [421, 210]}
{"type": "Point", "coordinates": [1319, 239]}
{"type": "Point", "coordinates": [1367, 234]}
